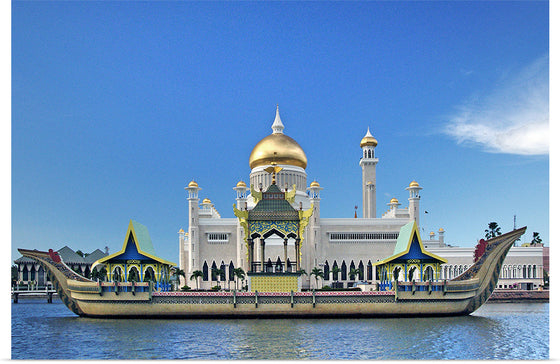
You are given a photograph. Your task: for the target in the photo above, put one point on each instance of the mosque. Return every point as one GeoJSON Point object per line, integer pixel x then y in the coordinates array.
{"type": "Point", "coordinates": [278, 226]}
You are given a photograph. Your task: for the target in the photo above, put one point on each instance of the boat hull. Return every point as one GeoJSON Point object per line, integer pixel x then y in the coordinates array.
{"type": "Point", "coordinates": [460, 296]}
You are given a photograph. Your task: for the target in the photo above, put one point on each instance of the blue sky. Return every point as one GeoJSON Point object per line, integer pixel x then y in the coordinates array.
{"type": "Point", "coordinates": [116, 106]}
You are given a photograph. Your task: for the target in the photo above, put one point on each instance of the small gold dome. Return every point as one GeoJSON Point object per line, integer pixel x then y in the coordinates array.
{"type": "Point", "coordinates": [278, 148]}
{"type": "Point", "coordinates": [314, 184]}
{"type": "Point", "coordinates": [206, 200]}
{"type": "Point", "coordinates": [441, 230]}
{"type": "Point", "coordinates": [368, 140]}
{"type": "Point", "coordinates": [413, 184]}
{"type": "Point", "coordinates": [241, 184]}
{"type": "Point", "coordinates": [181, 231]}
{"type": "Point", "coordinates": [394, 200]}
{"type": "Point", "coordinates": [193, 184]}
{"type": "Point", "coordinates": [432, 233]}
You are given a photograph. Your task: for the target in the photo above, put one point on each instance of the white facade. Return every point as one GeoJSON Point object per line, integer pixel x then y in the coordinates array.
{"type": "Point", "coordinates": [211, 241]}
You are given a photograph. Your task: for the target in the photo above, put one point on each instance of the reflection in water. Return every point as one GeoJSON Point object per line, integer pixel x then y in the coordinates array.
{"type": "Point", "coordinates": [50, 331]}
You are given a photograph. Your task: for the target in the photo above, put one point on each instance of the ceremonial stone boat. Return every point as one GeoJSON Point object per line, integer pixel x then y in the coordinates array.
{"type": "Point", "coordinates": [459, 296]}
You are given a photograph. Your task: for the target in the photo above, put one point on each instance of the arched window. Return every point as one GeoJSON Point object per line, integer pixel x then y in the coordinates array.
{"type": "Point", "coordinates": [361, 271]}
{"type": "Point", "coordinates": [25, 274]}
{"type": "Point", "coordinates": [326, 271]}
{"type": "Point", "coordinates": [223, 272]}
{"type": "Point", "coordinates": [231, 268]}
{"type": "Point", "coordinates": [352, 268]}
{"type": "Point", "coordinates": [428, 274]}
{"type": "Point", "coordinates": [149, 275]}
{"type": "Point", "coordinates": [133, 275]}
{"type": "Point", "coordinates": [213, 270]}
{"type": "Point", "coordinates": [117, 274]}
{"type": "Point", "coordinates": [343, 271]}
{"type": "Point", "coordinates": [269, 266]}
{"type": "Point", "coordinates": [369, 271]}
{"type": "Point", "coordinates": [335, 273]}
{"type": "Point", "coordinates": [205, 272]}
{"type": "Point", "coordinates": [535, 271]}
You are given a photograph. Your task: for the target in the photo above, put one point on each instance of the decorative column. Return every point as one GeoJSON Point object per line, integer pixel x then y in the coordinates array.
{"type": "Point", "coordinates": [262, 255]}
{"type": "Point", "coordinates": [286, 254]}
{"type": "Point", "coordinates": [251, 254]}
{"type": "Point", "coordinates": [297, 253]}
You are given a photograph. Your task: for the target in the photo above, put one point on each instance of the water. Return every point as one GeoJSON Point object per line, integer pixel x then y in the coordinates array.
{"type": "Point", "coordinates": [496, 331]}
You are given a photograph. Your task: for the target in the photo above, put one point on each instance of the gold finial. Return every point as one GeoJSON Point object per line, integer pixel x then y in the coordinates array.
{"type": "Point", "coordinates": [273, 169]}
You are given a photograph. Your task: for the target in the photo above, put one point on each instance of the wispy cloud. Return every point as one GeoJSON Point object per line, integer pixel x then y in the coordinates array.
{"type": "Point", "coordinates": [513, 118]}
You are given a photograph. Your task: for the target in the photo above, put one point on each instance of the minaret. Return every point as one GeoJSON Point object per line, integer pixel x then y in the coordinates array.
{"type": "Point", "coordinates": [414, 201]}
{"type": "Point", "coordinates": [193, 245]}
{"type": "Point", "coordinates": [368, 163]}
{"type": "Point", "coordinates": [314, 249]}
{"type": "Point", "coordinates": [241, 199]}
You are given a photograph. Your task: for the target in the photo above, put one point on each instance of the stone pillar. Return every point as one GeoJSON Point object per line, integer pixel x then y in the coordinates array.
{"type": "Point", "coordinates": [262, 255]}
{"type": "Point", "coordinates": [251, 254]}
{"type": "Point", "coordinates": [297, 254]}
{"type": "Point", "coordinates": [285, 254]}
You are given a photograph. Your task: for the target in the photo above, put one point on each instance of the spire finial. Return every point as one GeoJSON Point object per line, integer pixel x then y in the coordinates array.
{"type": "Point", "coordinates": [277, 126]}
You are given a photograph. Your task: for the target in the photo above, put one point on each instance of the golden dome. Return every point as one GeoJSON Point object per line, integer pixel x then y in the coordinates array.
{"type": "Point", "coordinates": [206, 200]}
{"type": "Point", "coordinates": [193, 184]}
{"type": "Point", "coordinates": [314, 184]}
{"type": "Point", "coordinates": [241, 184]}
{"type": "Point", "coordinates": [441, 230]}
{"type": "Point", "coordinates": [394, 200]}
{"type": "Point", "coordinates": [277, 148]}
{"type": "Point", "coordinates": [368, 140]}
{"type": "Point", "coordinates": [413, 184]}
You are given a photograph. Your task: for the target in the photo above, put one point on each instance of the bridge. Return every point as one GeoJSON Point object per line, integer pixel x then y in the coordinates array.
{"type": "Point", "coordinates": [26, 292]}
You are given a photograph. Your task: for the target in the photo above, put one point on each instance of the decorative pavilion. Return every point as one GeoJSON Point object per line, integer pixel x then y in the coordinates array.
{"type": "Point", "coordinates": [273, 214]}
{"type": "Point", "coordinates": [410, 262]}
{"type": "Point", "coordinates": [137, 260]}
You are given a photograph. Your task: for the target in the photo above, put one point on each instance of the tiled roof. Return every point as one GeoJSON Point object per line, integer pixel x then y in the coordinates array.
{"type": "Point", "coordinates": [273, 206]}
{"type": "Point", "coordinates": [95, 255]}
{"type": "Point", "coordinates": [70, 257]}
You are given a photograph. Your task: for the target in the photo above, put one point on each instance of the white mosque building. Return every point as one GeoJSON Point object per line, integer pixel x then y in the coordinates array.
{"type": "Point", "coordinates": [350, 244]}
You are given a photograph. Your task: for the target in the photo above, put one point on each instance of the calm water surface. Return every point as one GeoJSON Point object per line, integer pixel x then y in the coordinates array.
{"type": "Point", "coordinates": [495, 331]}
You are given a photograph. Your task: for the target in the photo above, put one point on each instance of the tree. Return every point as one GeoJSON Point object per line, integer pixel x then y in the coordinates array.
{"type": "Point", "coordinates": [195, 275]}
{"type": "Point", "coordinates": [100, 274]}
{"type": "Point", "coordinates": [14, 274]}
{"type": "Point", "coordinates": [317, 273]}
{"type": "Point", "coordinates": [217, 272]}
{"type": "Point", "coordinates": [238, 273]}
{"type": "Point", "coordinates": [178, 272]}
{"type": "Point", "coordinates": [335, 270]}
{"type": "Point", "coordinates": [492, 231]}
{"type": "Point", "coordinates": [354, 272]}
{"type": "Point", "coordinates": [536, 239]}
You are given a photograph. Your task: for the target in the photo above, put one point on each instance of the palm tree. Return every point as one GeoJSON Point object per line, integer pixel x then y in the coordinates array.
{"type": "Point", "coordinates": [238, 273]}
{"type": "Point", "coordinates": [178, 273]}
{"type": "Point", "coordinates": [493, 230]}
{"type": "Point", "coordinates": [317, 273]}
{"type": "Point", "coordinates": [217, 272]}
{"type": "Point", "coordinates": [354, 272]}
{"type": "Point", "coordinates": [335, 270]}
{"type": "Point", "coordinates": [195, 275]}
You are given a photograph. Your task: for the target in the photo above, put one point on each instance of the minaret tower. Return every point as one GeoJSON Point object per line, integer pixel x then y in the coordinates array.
{"type": "Point", "coordinates": [414, 201]}
{"type": "Point", "coordinates": [192, 247]}
{"type": "Point", "coordinates": [368, 163]}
